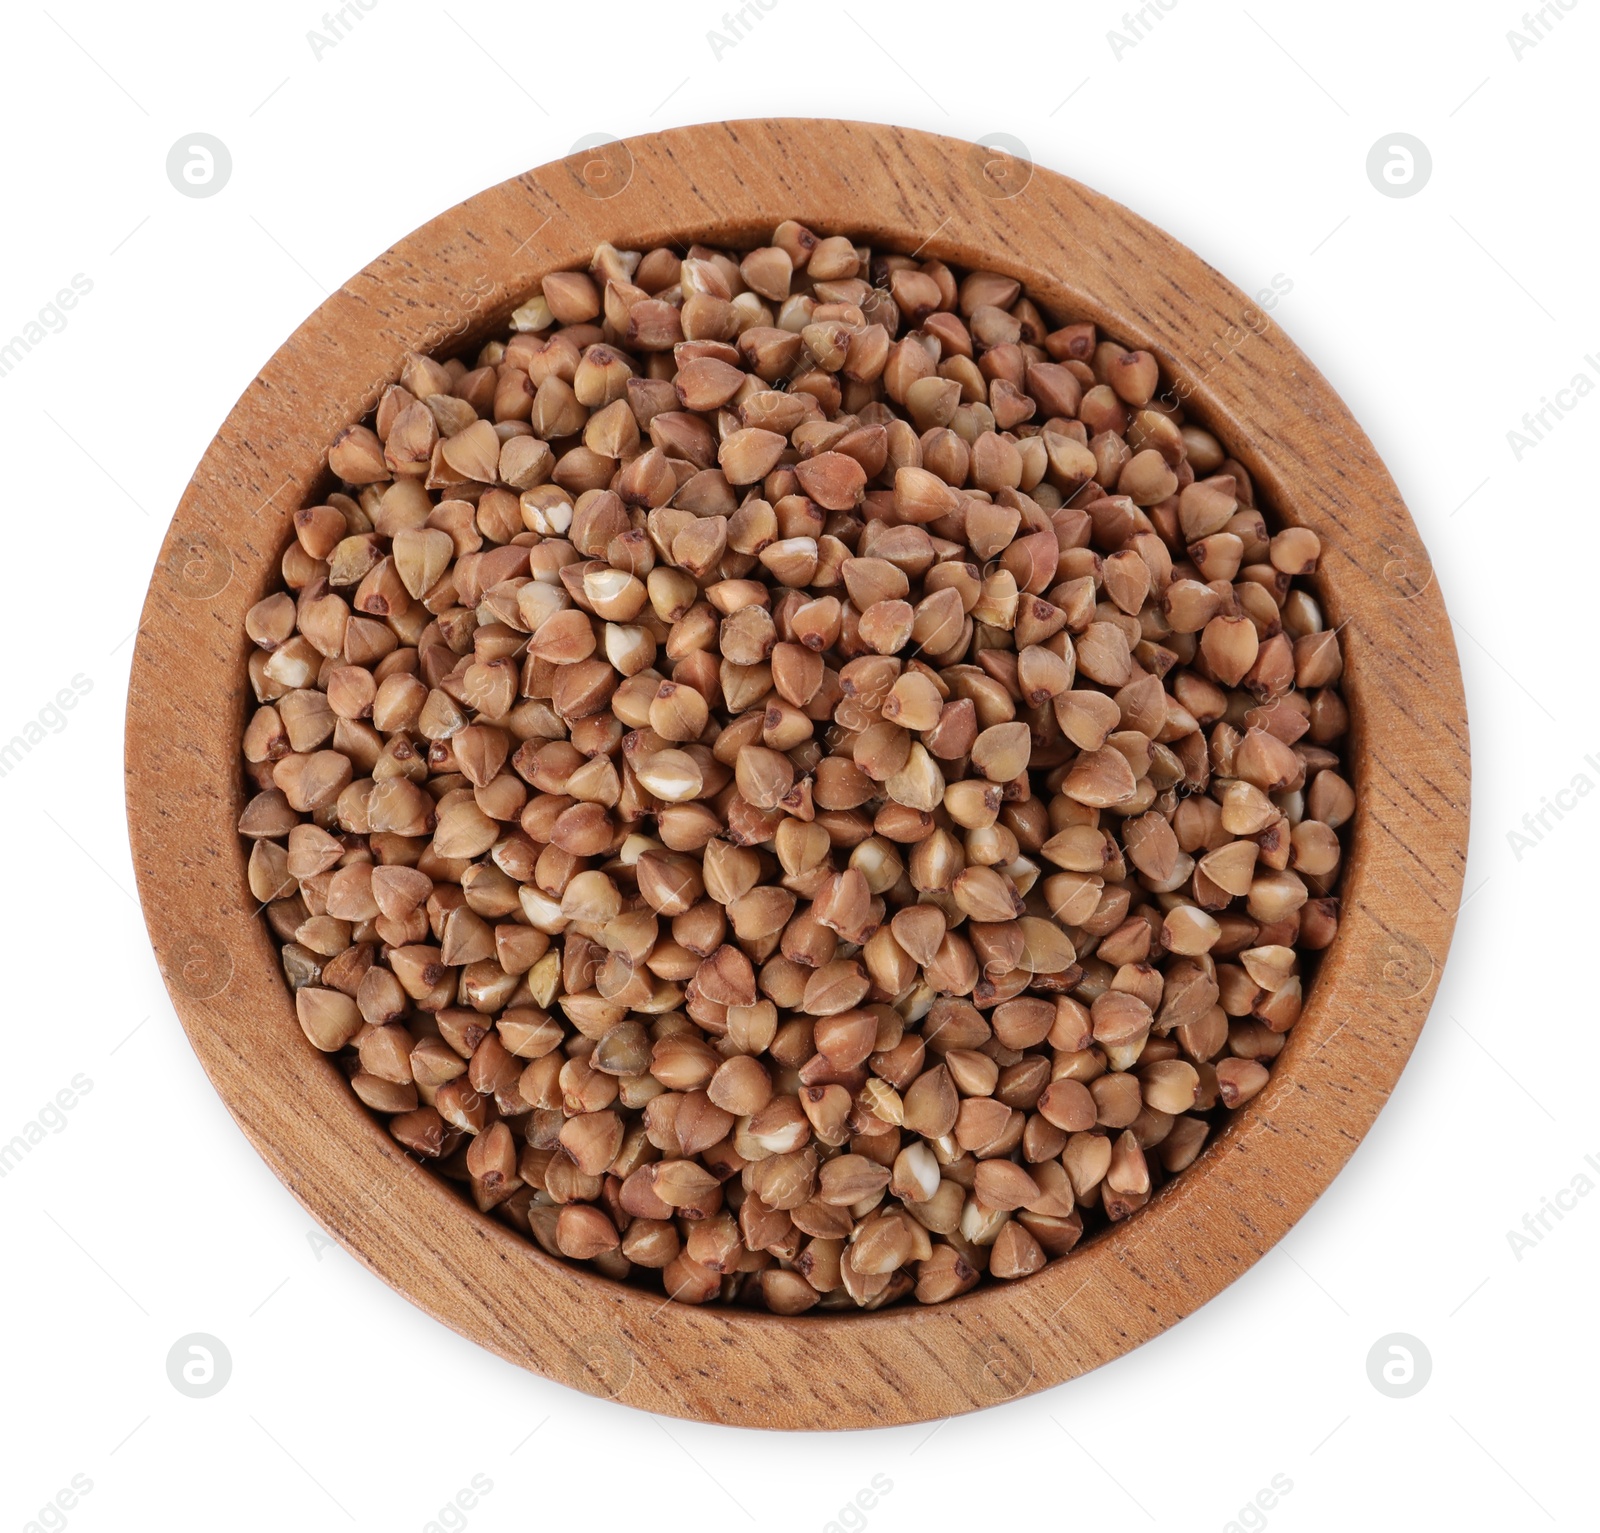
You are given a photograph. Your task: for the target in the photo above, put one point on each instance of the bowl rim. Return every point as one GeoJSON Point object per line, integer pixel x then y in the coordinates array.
{"type": "Point", "coordinates": [1080, 255]}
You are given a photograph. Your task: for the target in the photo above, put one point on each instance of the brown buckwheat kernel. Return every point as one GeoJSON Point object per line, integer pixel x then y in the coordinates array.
{"type": "Point", "coordinates": [786, 772]}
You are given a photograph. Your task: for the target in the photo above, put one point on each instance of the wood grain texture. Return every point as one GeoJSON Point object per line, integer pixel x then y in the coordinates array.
{"type": "Point", "coordinates": [1080, 256]}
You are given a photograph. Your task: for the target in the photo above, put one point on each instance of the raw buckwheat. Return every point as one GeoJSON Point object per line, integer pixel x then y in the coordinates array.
{"type": "Point", "coordinates": [794, 777]}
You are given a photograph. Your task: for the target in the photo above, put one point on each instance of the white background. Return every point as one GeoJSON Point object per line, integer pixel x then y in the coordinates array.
{"type": "Point", "coordinates": [1441, 319]}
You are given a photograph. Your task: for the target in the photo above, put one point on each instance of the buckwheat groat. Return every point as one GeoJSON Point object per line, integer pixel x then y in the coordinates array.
{"type": "Point", "coordinates": [794, 777]}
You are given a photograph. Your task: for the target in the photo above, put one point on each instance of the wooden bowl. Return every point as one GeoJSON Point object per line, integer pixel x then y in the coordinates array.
{"type": "Point", "coordinates": [1080, 256]}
